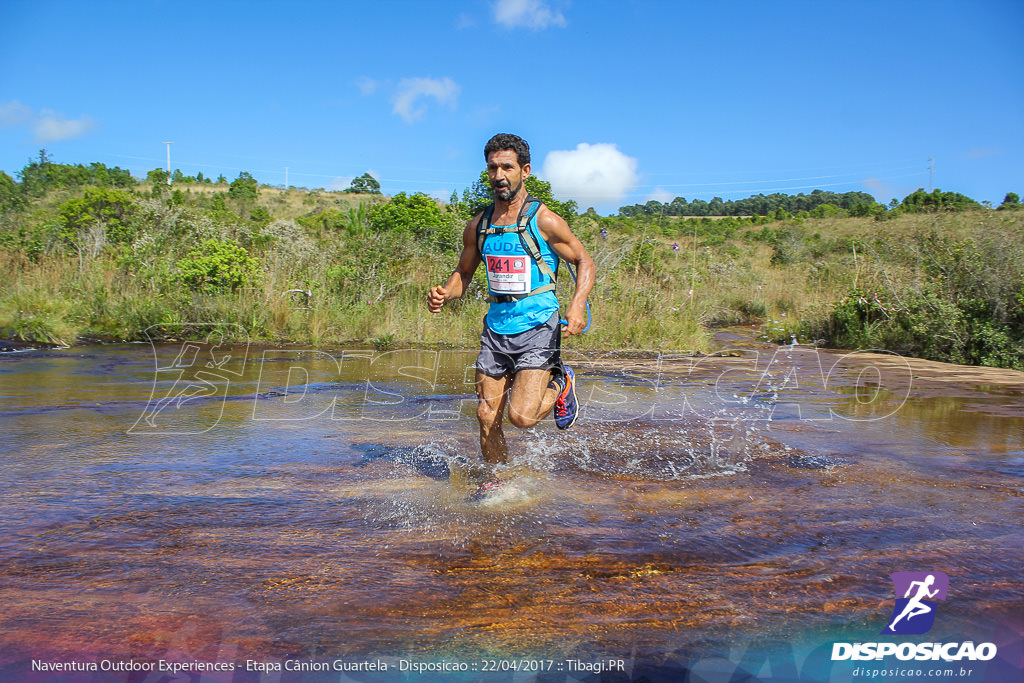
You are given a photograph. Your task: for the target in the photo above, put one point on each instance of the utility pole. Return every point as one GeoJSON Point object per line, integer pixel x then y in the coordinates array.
{"type": "Point", "coordinates": [168, 162]}
{"type": "Point", "coordinates": [931, 174]}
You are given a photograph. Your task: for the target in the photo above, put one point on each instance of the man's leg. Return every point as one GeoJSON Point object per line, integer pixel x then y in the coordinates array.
{"type": "Point", "coordinates": [531, 398]}
{"type": "Point", "coordinates": [493, 395]}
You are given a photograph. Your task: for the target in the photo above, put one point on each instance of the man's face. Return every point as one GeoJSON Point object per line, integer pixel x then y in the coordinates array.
{"type": "Point", "coordinates": [505, 174]}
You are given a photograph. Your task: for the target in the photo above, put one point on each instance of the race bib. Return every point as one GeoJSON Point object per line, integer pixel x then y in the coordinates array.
{"type": "Point", "coordinates": [508, 274]}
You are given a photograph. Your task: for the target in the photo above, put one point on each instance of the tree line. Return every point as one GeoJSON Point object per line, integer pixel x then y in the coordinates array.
{"type": "Point", "coordinates": [42, 175]}
{"type": "Point", "coordinates": [818, 202]}
{"type": "Point", "coordinates": [756, 205]}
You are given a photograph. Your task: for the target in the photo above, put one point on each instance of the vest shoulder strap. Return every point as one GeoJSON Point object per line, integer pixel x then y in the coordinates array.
{"type": "Point", "coordinates": [526, 237]}
{"type": "Point", "coordinates": [484, 228]}
{"type": "Point", "coordinates": [532, 247]}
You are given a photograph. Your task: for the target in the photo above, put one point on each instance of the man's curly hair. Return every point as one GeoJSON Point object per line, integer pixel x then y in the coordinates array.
{"type": "Point", "coordinates": [503, 141]}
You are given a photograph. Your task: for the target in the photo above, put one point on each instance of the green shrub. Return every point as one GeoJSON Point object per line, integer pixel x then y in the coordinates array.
{"type": "Point", "coordinates": [641, 258]}
{"type": "Point", "coordinates": [217, 266]}
{"type": "Point", "coordinates": [929, 324]}
{"type": "Point", "coordinates": [417, 216]}
{"type": "Point", "coordinates": [104, 208]}
{"type": "Point", "coordinates": [244, 187]}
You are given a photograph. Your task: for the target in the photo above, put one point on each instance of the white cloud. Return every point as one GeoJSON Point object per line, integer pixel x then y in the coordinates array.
{"type": "Point", "coordinates": [14, 114]}
{"type": "Point", "coordinates": [340, 183]}
{"type": "Point", "coordinates": [590, 174]}
{"type": "Point", "coordinates": [534, 14]}
{"type": "Point", "coordinates": [46, 125]}
{"type": "Point", "coordinates": [51, 127]}
{"type": "Point", "coordinates": [983, 152]}
{"type": "Point", "coordinates": [410, 90]}
{"type": "Point", "coordinates": [343, 182]}
{"type": "Point", "coordinates": [366, 85]}
{"type": "Point", "coordinates": [883, 190]}
{"type": "Point", "coordinates": [660, 194]}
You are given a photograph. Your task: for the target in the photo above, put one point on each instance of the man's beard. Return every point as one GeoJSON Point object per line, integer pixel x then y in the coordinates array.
{"type": "Point", "coordinates": [503, 193]}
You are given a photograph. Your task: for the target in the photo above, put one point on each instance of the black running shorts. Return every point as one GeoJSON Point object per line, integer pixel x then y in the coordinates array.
{"type": "Point", "coordinates": [507, 354]}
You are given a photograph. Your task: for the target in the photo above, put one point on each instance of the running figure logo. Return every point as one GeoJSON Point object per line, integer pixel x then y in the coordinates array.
{"type": "Point", "coordinates": [191, 379]}
{"type": "Point", "coordinates": [914, 613]}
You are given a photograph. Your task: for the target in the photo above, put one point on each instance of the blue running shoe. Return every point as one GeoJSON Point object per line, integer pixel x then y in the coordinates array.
{"type": "Point", "coordinates": [566, 407]}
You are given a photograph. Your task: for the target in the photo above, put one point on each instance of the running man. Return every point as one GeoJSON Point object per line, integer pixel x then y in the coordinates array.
{"type": "Point", "coordinates": [520, 242]}
{"type": "Point", "coordinates": [915, 606]}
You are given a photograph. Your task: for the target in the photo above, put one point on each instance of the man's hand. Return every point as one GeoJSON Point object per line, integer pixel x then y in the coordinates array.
{"type": "Point", "coordinates": [436, 298]}
{"type": "Point", "coordinates": [576, 320]}
{"type": "Point", "coordinates": [556, 233]}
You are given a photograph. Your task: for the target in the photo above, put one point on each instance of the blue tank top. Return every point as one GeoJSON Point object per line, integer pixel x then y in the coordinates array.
{"type": "Point", "coordinates": [510, 270]}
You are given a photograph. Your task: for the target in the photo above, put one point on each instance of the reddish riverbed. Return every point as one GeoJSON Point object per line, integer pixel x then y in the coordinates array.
{"type": "Point", "coordinates": [232, 503]}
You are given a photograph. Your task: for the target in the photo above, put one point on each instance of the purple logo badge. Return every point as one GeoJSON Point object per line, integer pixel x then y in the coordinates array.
{"type": "Point", "coordinates": [916, 593]}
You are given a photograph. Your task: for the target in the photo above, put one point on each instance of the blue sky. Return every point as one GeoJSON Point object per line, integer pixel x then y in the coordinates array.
{"type": "Point", "coordinates": [621, 101]}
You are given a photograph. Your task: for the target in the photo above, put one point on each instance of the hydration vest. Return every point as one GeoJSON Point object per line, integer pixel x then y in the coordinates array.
{"type": "Point", "coordinates": [506, 271]}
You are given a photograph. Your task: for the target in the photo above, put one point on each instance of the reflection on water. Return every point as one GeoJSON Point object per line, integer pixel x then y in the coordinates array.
{"type": "Point", "coordinates": [230, 502]}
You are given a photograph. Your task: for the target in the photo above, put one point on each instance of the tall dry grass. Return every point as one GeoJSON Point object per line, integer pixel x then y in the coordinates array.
{"type": "Point", "coordinates": [785, 278]}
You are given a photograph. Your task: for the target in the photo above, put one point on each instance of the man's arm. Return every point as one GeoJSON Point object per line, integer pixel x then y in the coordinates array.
{"type": "Point", "coordinates": [556, 233]}
{"type": "Point", "coordinates": [459, 280]}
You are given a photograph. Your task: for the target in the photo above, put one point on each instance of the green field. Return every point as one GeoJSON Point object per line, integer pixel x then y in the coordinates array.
{"type": "Point", "coordinates": [96, 258]}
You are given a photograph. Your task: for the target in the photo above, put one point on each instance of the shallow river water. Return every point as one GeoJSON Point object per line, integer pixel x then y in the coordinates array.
{"type": "Point", "coordinates": [707, 517]}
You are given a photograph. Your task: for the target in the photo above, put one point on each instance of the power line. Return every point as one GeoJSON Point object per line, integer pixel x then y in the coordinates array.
{"type": "Point", "coordinates": [724, 188]}
{"type": "Point", "coordinates": [807, 169]}
{"type": "Point", "coordinates": [775, 180]}
{"type": "Point", "coordinates": [801, 187]}
{"type": "Point", "coordinates": [220, 167]}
